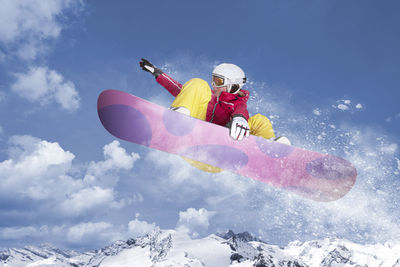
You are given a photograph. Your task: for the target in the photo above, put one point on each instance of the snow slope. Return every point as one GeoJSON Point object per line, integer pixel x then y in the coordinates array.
{"type": "Point", "coordinates": [173, 248]}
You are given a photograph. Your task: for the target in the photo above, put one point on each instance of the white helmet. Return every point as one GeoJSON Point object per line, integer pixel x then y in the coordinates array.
{"type": "Point", "coordinates": [229, 75]}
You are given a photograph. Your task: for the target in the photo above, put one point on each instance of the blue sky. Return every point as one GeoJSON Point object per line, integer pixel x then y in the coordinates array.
{"type": "Point", "coordinates": [325, 72]}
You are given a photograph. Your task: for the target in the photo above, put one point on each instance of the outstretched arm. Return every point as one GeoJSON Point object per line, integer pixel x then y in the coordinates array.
{"type": "Point", "coordinates": [165, 80]}
{"type": "Point", "coordinates": [170, 84]}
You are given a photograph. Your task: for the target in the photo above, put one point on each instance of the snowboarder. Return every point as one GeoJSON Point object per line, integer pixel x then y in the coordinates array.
{"type": "Point", "coordinates": [225, 104]}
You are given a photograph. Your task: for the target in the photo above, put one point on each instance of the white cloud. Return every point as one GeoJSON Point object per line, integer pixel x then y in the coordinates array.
{"type": "Point", "coordinates": [39, 170]}
{"type": "Point", "coordinates": [104, 232]}
{"type": "Point", "coordinates": [359, 106]}
{"type": "Point", "coordinates": [20, 17]}
{"type": "Point", "coordinates": [137, 198]}
{"type": "Point", "coordinates": [189, 182]}
{"type": "Point", "coordinates": [33, 167]}
{"type": "Point", "coordinates": [18, 233]}
{"type": "Point", "coordinates": [44, 86]}
{"type": "Point", "coordinates": [194, 222]}
{"type": "Point", "coordinates": [138, 228]}
{"type": "Point", "coordinates": [178, 171]}
{"type": "Point", "coordinates": [115, 158]}
{"type": "Point", "coordinates": [87, 199]}
{"type": "Point", "coordinates": [89, 232]}
{"type": "Point", "coordinates": [26, 25]}
{"type": "Point", "coordinates": [26, 29]}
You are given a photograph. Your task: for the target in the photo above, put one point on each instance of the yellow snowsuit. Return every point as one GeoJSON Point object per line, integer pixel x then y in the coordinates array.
{"type": "Point", "coordinates": [195, 95]}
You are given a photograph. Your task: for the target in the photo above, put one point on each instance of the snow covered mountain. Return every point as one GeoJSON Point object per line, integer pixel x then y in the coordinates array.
{"type": "Point", "coordinates": [172, 248]}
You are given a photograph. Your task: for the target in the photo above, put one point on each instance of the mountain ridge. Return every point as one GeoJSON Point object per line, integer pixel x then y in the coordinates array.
{"type": "Point", "coordinates": [174, 248]}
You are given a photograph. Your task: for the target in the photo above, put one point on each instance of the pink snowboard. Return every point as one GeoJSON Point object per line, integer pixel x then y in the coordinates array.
{"type": "Point", "coordinates": [317, 176]}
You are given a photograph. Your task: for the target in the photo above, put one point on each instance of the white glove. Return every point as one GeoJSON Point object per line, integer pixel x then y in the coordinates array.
{"type": "Point", "coordinates": [239, 128]}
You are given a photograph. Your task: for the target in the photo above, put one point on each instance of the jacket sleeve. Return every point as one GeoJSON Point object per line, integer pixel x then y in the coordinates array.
{"type": "Point", "coordinates": [241, 106]}
{"type": "Point", "coordinates": [170, 84]}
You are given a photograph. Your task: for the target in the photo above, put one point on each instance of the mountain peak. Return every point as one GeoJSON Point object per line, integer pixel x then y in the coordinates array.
{"type": "Point", "coordinates": [244, 236]}
{"type": "Point", "coordinates": [174, 248]}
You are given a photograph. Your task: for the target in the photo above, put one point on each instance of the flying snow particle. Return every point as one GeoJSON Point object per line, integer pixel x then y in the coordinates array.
{"type": "Point", "coordinates": [389, 149]}
{"type": "Point", "coordinates": [316, 111]}
{"type": "Point", "coordinates": [391, 118]}
{"type": "Point", "coordinates": [342, 107]}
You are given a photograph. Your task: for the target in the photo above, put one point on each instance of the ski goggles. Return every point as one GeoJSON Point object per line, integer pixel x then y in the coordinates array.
{"type": "Point", "coordinates": [218, 81]}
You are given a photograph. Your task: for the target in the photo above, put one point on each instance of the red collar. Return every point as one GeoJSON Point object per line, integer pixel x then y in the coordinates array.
{"type": "Point", "coordinates": [225, 96]}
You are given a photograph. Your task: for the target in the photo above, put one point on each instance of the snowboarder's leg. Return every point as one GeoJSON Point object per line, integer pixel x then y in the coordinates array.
{"type": "Point", "coordinates": [194, 96]}
{"type": "Point", "coordinates": [261, 126]}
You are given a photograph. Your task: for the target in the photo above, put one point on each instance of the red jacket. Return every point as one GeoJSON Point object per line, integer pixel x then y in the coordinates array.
{"type": "Point", "coordinates": [220, 110]}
